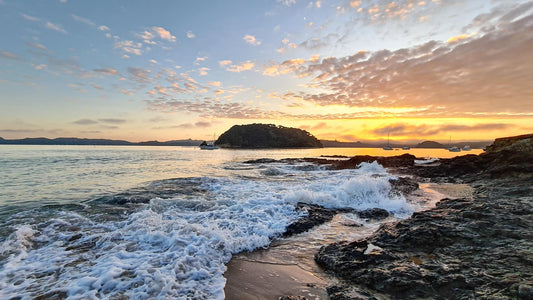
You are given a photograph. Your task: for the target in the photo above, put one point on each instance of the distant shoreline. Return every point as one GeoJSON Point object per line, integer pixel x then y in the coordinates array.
{"type": "Point", "coordinates": [195, 143]}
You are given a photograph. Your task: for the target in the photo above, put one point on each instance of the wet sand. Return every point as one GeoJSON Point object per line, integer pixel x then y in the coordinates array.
{"type": "Point", "coordinates": [260, 280]}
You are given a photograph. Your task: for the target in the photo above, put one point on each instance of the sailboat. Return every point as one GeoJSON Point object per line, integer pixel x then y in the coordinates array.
{"type": "Point", "coordinates": [453, 148]}
{"type": "Point", "coordinates": [388, 147]}
{"type": "Point", "coordinates": [209, 145]}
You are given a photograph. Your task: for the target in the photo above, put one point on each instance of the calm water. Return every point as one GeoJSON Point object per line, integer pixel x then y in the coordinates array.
{"type": "Point", "coordinates": [109, 221]}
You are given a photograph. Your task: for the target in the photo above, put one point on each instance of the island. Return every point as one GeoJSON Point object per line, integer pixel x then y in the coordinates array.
{"type": "Point", "coordinates": [253, 136]}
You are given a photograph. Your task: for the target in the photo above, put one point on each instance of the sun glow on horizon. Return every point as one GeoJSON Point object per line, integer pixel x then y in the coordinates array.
{"type": "Point", "coordinates": [161, 72]}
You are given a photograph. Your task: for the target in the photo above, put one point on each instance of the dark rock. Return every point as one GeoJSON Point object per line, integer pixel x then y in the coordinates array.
{"type": "Point", "coordinates": [461, 249]}
{"type": "Point", "coordinates": [292, 298]}
{"type": "Point", "coordinates": [521, 143]}
{"type": "Point", "coordinates": [348, 293]}
{"type": "Point", "coordinates": [316, 215]}
{"type": "Point", "coordinates": [403, 185]}
{"type": "Point", "coordinates": [405, 160]}
{"type": "Point", "coordinates": [260, 161]}
{"type": "Point", "coordinates": [373, 213]}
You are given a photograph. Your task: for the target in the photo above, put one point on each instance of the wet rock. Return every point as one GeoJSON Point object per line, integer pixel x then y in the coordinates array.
{"type": "Point", "coordinates": [261, 161]}
{"type": "Point", "coordinates": [403, 185]}
{"type": "Point", "coordinates": [348, 293]}
{"type": "Point", "coordinates": [292, 298]}
{"type": "Point", "coordinates": [373, 213]}
{"type": "Point", "coordinates": [316, 215]}
{"type": "Point", "coordinates": [521, 143]}
{"type": "Point", "coordinates": [405, 160]}
{"type": "Point", "coordinates": [461, 249]}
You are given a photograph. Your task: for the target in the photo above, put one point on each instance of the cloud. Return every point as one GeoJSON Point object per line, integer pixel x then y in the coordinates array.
{"type": "Point", "coordinates": [215, 83]}
{"type": "Point", "coordinates": [296, 65]}
{"type": "Point", "coordinates": [250, 39]}
{"type": "Point", "coordinates": [203, 71]}
{"type": "Point", "coordinates": [199, 59]}
{"type": "Point", "coordinates": [459, 38]}
{"type": "Point", "coordinates": [139, 75]}
{"type": "Point", "coordinates": [163, 34]}
{"type": "Point", "coordinates": [10, 55]}
{"type": "Point", "coordinates": [103, 28]}
{"type": "Point", "coordinates": [82, 20]}
{"type": "Point", "coordinates": [112, 121]}
{"type": "Point", "coordinates": [209, 108]}
{"type": "Point", "coordinates": [85, 122]}
{"type": "Point", "coordinates": [240, 67]}
{"type": "Point", "coordinates": [355, 4]}
{"type": "Point", "coordinates": [287, 3]}
{"type": "Point", "coordinates": [30, 18]}
{"type": "Point", "coordinates": [37, 46]}
{"type": "Point", "coordinates": [106, 71]}
{"type": "Point", "coordinates": [488, 75]}
{"type": "Point", "coordinates": [55, 27]}
{"type": "Point", "coordinates": [202, 124]}
{"type": "Point", "coordinates": [431, 130]}
{"type": "Point", "coordinates": [190, 35]}
{"type": "Point", "coordinates": [129, 47]}
{"type": "Point", "coordinates": [224, 63]}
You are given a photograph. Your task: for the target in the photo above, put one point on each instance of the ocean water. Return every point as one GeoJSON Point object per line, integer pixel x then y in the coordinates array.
{"type": "Point", "coordinates": [92, 222]}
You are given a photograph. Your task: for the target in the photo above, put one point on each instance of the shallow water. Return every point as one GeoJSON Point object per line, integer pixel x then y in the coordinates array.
{"type": "Point", "coordinates": [108, 222]}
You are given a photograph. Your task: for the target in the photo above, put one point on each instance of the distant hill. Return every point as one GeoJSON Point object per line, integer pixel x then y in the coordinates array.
{"type": "Point", "coordinates": [102, 142]}
{"type": "Point", "coordinates": [337, 144]}
{"type": "Point", "coordinates": [430, 144]}
{"type": "Point", "coordinates": [266, 136]}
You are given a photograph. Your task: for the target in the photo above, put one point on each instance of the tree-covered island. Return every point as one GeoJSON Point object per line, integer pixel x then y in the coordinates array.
{"type": "Point", "coordinates": [266, 136]}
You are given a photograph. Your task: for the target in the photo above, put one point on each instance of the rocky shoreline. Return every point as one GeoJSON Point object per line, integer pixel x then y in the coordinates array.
{"type": "Point", "coordinates": [479, 247]}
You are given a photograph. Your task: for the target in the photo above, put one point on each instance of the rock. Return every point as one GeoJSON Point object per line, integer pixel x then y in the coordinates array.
{"type": "Point", "coordinates": [261, 161]}
{"type": "Point", "coordinates": [405, 160]}
{"type": "Point", "coordinates": [292, 298]}
{"type": "Point", "coordinates": [373, 213]}
{"type": "Point", "coordinates": [403, 185]}
{"type": "Point", "coordinates": [316, 215]}
{"type": "Point", "coordinates": [461, 249]}
{"type": "Point", "coordinates": [521, 143]}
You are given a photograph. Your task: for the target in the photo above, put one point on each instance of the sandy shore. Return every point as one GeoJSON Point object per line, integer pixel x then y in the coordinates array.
{"type": "Point", "coordinates": [276, 271]}
{"type": "Point", "coordinates": [261, 280]}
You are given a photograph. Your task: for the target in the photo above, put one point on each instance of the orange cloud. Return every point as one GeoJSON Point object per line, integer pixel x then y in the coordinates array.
{"type": "Point", "coordinates": [243, 66]}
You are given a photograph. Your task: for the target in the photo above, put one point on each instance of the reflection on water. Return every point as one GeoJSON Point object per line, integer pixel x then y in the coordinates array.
{"type": "Point", "coordinates": [62, 174]}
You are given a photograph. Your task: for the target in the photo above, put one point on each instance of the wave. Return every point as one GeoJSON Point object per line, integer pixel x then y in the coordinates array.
{"type": "Point", "coordinates": [172, 238]}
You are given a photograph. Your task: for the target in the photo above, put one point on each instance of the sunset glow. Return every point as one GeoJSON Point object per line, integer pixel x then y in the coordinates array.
{"type": "Point", "coordinates": [343, 70]}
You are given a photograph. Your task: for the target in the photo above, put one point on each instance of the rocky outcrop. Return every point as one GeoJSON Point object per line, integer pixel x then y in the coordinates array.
{"type": "Point", "coordinates": [405, 160]}
{"type": "Point", "coordinates": [521, 143]}
{"type": "Point", "coordinates": [315, 215]}
{"type": "Point", "coordinates": [461, 249]}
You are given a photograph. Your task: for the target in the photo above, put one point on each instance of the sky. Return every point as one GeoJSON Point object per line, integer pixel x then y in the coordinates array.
{"type": "Point", "coordinates": [343, 70]}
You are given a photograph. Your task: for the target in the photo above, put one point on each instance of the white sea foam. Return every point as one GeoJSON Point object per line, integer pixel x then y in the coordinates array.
{"type": "Point", "coordinates": [426, 161]}
{"type": "Point", "coordinates": [177, 247]}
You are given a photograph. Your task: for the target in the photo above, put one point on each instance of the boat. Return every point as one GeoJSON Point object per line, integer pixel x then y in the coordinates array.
{"type": "Point", "coordinates": [388, 147]}
{"type": "Point", "coordinates": [209, 145]}
{"type": "Point", "coordinates": [453, 148]}
{"type": "Point", "coordinates": [466, 148]}
{"type": "Point", "coordinates": [406, 148]}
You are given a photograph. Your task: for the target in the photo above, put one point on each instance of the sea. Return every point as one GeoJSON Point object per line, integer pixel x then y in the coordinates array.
{"type": "Point", "coordinates": [140, 222]}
